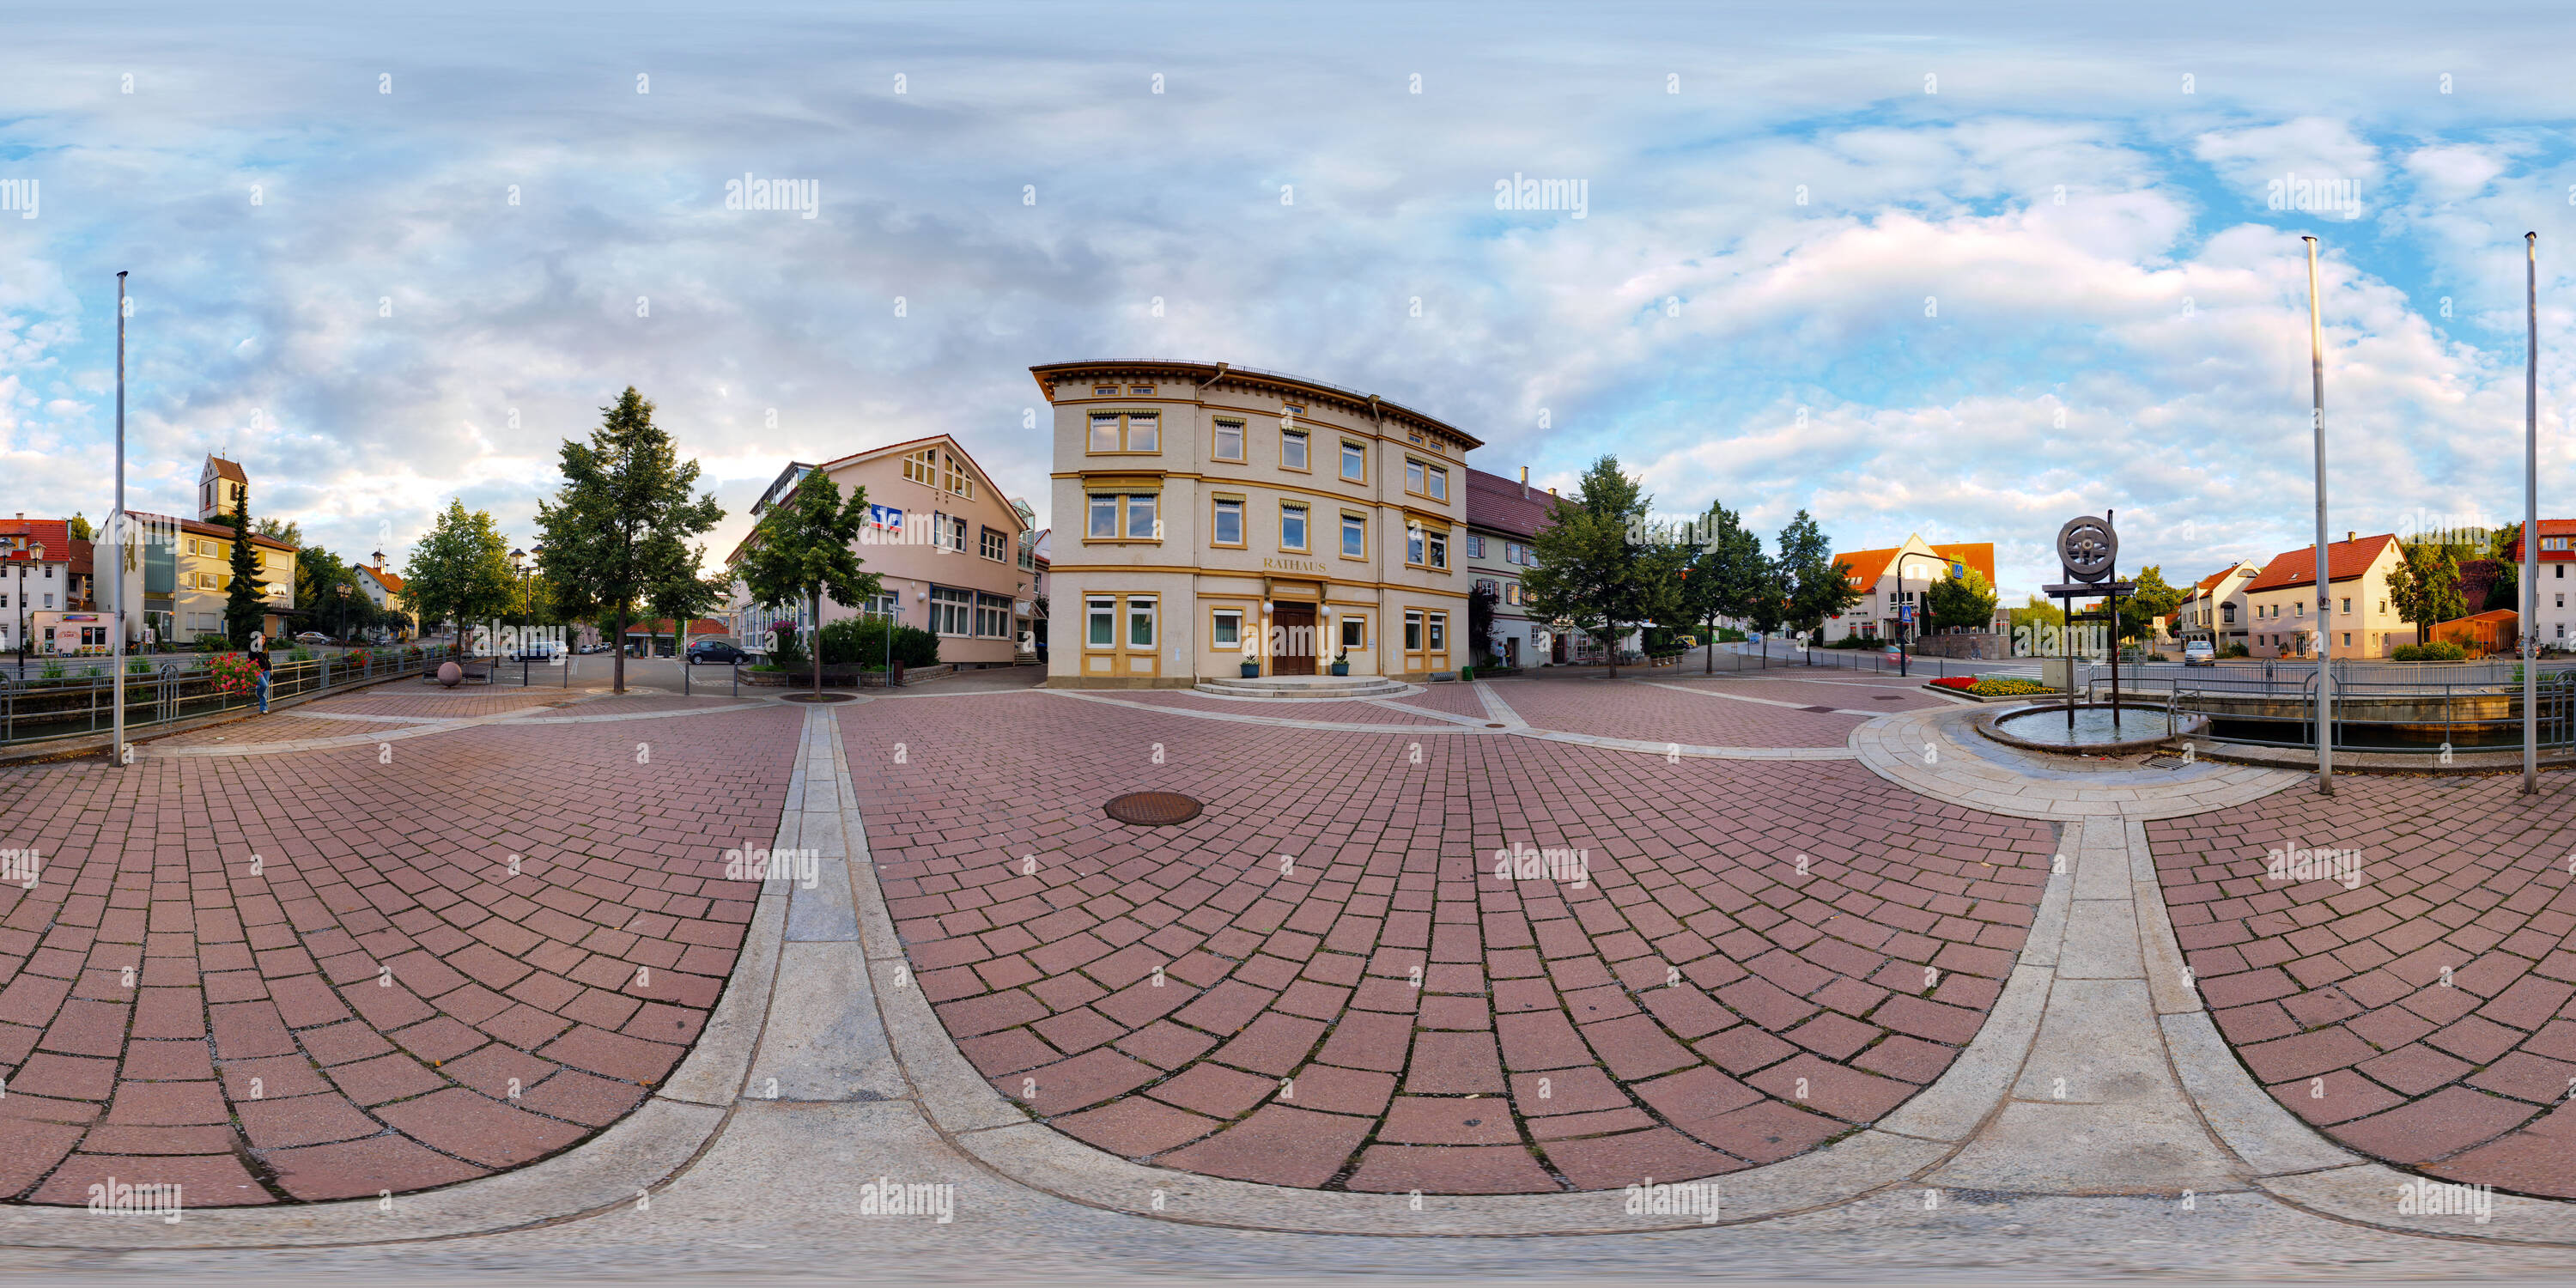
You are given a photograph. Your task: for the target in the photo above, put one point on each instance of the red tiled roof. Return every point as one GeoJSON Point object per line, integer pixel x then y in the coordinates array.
{"type": "Point", "coordinates": [391, 581]}
{"type": "Point", "coordinates": [2345, 560]}
{"type": "Point", "coordinates": [225, 530]}
{"type": "Point", "coordinates": [1496, 502]}
{"type": "Point", "coordinates": [1870, 565]}
{"type": "Point", "coordinates": [2550, 528]}
{"type": "Point", "coordinates": [54, 534]}
{"type": "Point", "coordinates": [225, 469]}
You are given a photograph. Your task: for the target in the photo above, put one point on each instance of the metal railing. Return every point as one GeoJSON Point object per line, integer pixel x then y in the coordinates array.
{"type": "Point", "coordinates": [182, 689]}
{"type": "Point", "coordinates": [2476, 706]}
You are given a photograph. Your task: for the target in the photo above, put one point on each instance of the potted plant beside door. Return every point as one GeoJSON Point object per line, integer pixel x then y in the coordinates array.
{"type": "Point", "coordinates": [1251, 667]}
{"type": "Point", "coordinates": [1342, 662]}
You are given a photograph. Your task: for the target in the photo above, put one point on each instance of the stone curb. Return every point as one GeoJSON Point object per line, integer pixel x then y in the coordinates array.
{"type": "Point", "coordinates": [640, 1152]}
{"type": "Point", "coordinates": [977, 1120]}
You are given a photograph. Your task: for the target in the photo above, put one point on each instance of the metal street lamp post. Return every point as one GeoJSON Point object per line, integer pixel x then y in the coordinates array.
{"type": "Point", "coordinates": [2531, 520]}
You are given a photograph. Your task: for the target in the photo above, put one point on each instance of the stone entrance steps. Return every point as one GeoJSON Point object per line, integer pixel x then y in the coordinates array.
{"type": "Point", "coordinates": [1304, 686]}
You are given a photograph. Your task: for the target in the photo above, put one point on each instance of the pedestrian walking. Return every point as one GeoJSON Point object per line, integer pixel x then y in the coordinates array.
{"type": "Point", "coordinates": [259, 658]}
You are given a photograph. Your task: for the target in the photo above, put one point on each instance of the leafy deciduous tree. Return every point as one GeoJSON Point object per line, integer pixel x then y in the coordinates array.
{"type": "Point", "coordinates": [617, 532]}
{"type": "Point", "coordinates": [806, 548]}
{"type": "Point", "coordinates": [459, 569]}
{"type": "Point", "coordinates": [1591, 576]}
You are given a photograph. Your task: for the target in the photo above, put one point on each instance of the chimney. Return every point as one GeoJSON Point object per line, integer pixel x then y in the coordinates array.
{"type": "Point", "coordinates": [1524, 485]}
{"type": "Point", "coordinates": [2350, 535]}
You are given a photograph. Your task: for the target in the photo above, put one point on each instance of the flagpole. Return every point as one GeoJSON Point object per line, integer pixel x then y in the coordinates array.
{"type": "Point", "coordinates": [2325, 601]}
{"type": "Point", "coordinates": [2531, 518]}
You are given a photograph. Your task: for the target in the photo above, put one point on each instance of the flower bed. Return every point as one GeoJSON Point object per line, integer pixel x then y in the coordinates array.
{"type": "Point", "coordinates": [2000, 687]}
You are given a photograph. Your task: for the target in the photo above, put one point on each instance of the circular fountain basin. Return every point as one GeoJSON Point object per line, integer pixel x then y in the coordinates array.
{"type": "Point", "coordinates": [2097, 731]}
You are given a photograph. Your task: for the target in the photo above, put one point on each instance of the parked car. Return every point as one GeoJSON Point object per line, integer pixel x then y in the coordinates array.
{"type": "Point", "coordinates": [2199, 653]}
{"type": "Point", "coordinates": [720, 652]}
{"type": "Point", "coordinates": [538, 651]}
{"type": "Point", "coordinates": [311, 637]}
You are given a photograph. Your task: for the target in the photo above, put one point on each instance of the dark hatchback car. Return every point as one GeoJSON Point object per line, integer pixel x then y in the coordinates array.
{"type": "Point", "coordinates": [720, 652]}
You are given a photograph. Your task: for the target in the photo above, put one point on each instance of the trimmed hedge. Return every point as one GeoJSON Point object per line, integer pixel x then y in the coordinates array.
{"type": "Point", "coordinates": [2438, 651]}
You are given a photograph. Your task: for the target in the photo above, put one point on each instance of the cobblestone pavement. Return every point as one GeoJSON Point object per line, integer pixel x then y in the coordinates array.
{"type": "Point", "coordinates": [2414, 995]}
{"type": "Point", "coordinates": [412, 698]}
{"type": "Point", "coordinates": [280, 726]}
{"type": "Point", "coordinates": [1619, 709]}
{"type": "Point", "coordinates": [314, 975]}
{"type": "Point", "coordinates": [1379, 1011]}
{"type": "Point", "coordinates": [1825, 689]}
{"type": "Point", "coordinates": [1291, 708]}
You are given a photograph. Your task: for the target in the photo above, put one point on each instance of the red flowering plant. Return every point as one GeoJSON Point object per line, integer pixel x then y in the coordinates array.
{"type": "Point", "coordinates": [234, 674]}
{"type": "Point", "coordinates": [1956, 682]}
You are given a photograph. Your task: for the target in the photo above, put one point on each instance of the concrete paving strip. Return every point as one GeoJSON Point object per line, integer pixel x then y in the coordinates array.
{"type": "Point", "coordinates": [1282, 722]}
{"type": "Point", "coordinates": [423, 727]}
{"type": "Point", "coordinates": [1768, 702]}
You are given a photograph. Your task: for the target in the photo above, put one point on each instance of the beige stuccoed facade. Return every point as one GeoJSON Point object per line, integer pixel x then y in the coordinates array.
{"type": "Point", "coordinates": [1206, 514]}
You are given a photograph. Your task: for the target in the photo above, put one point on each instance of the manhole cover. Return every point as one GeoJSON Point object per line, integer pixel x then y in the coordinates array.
{"type": "Point", "coordinates": [1493, 726]}
{"type": "Point", "coordinates": [1153, 809]}
{"type": "Point", "coordinates": [1826, 710]}
{"type": "Point", "coordinates": [819, 697]}
{"type": "Point", "coordinates": [1889, 697]}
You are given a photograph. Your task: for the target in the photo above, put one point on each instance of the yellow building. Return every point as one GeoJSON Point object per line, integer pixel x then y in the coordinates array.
{"type": "Point", "coordinates": [1206, 516]}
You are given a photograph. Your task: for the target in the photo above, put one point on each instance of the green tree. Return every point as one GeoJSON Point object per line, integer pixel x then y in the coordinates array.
{"type": "Point", "coordinates": [617, 532]}
{"type": "Point", "coordinates": [1595, 572]}
{"type": "Point", "coordinates": [1725, 575]}
{"type": "Point", "coordinates": [244, 602]}
{"type": "Point", "coordinates": [318, 575]}
{"type": "Point", "coordinates": [1811, 583]}
{"type": "Point", "coordinates": [805, 548]}
{"type": "Point", "coordinates": [2152, 599]}
{"type": "Point", "coordinates": [2425, 587]}
{"type": "Point", "coordinates": [1965, 600]}
{"type": "Point", "coordinates": [78, 528]}
{"type": "Point", "coordinates": [290, 532]}
{"type": "Point", "coordinates": [2500, 543]}
{"type": "Point", "coordinates": [460, 568]}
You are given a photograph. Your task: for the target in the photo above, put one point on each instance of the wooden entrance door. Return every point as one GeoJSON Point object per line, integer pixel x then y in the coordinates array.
{"type": "Point", "coordinates": [1295, 643]}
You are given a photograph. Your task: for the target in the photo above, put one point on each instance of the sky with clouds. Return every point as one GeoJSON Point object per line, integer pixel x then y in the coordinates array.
{"type": "Point", "coordinates": [1968, 275]}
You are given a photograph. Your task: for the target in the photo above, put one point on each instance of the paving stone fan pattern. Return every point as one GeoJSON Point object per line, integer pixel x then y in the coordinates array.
{"type": "Point", "coordinates": [1386, 1015]}
{"type": "Point", "coordinates": [351, 1017]}
{"type": "Point", "coordinates": [2426, 1015]}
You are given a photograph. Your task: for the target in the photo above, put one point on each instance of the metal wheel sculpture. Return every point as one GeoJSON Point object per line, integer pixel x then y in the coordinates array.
{"type": "Point", "coordinates": [2088, 547]}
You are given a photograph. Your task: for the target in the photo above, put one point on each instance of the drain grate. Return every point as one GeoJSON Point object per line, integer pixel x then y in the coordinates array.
{"type": "Point", "coordinates": [818, 697]}
{"type": "Point", "coordinates": [1826, 710]}
{"type": "Point", "coordinates": [1889, 697]}
{"type": "Point", "coordinates": [1152, 809]}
